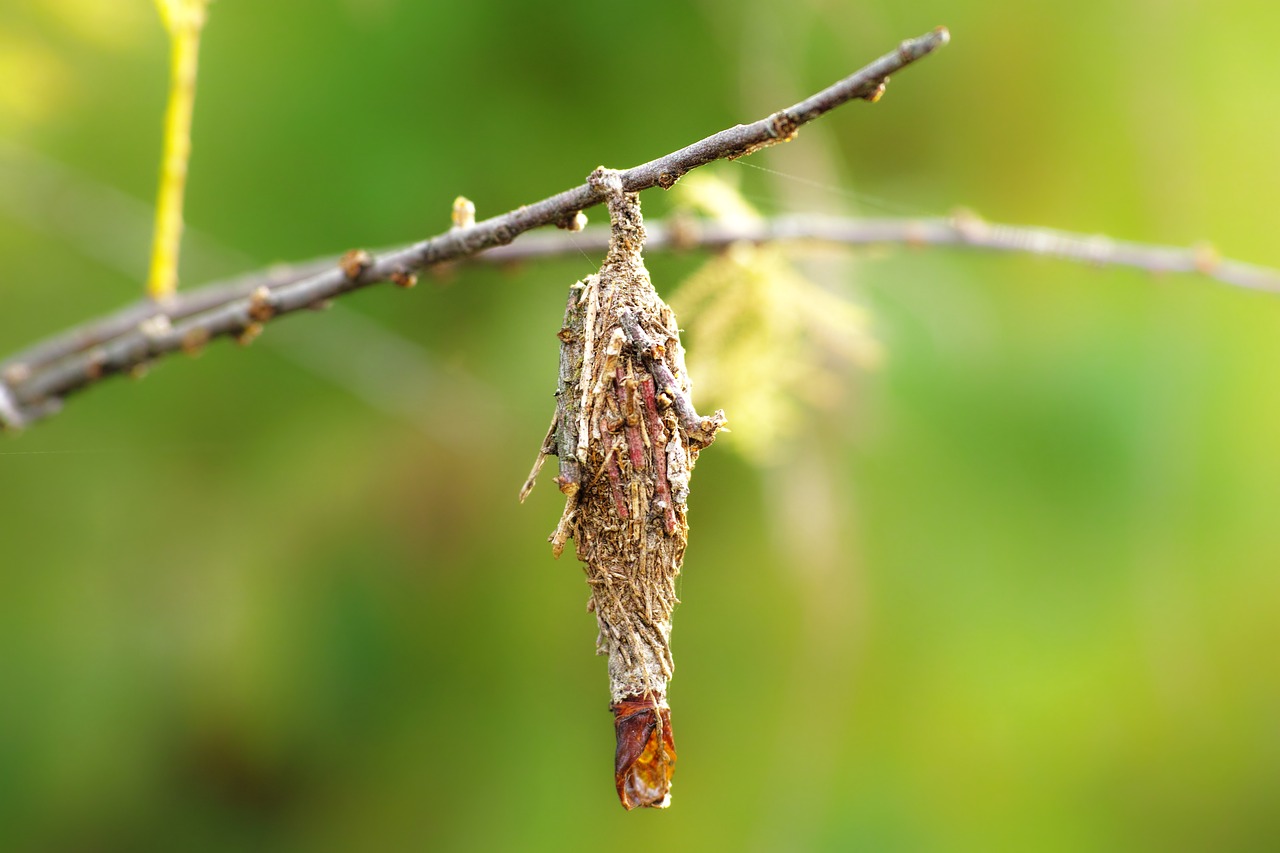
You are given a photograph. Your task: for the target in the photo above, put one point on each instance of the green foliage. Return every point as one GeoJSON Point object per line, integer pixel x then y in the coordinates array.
{"type": "Point", "coordinates": [285, 599]}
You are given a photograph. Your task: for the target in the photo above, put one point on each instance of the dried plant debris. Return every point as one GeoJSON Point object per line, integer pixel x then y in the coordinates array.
{"type": "Point", "coordinates": [627, 436]}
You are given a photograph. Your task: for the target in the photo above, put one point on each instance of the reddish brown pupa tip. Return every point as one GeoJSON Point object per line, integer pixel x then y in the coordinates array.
{"type": "Point", "coordinates": [646, 756]}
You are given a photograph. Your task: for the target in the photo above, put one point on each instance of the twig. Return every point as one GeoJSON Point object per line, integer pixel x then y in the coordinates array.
{"type": "Point", "coordinates": [37, 391]}
{"type": "Point", "coordinates": [184, 19]}
{"type": "Point", "coordinates": [963, 230]}
{"type": "Point", "coordinates": [701, 431]}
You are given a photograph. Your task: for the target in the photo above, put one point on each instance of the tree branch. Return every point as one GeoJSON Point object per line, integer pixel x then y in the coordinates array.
{"type": "Point", "coordinates": [963, 230]}
{"type": "Point", "coordinates": [33, 383]}
{"type": "Point", "coordinates": [184, 19]}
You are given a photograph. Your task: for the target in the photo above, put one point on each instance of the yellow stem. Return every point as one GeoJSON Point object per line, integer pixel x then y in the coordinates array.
{"type": "Point", "coordinates": [184, 20]}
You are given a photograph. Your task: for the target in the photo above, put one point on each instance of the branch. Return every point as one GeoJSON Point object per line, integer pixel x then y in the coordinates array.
{"type": "Point", "coordinates": [184, 19]}
{"type": "Point", "coordinates": [31, 388]}
{"type": "Point", "coordinates": [963, 230]}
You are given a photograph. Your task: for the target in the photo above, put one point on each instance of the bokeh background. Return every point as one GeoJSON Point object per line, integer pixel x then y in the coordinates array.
{"type": "Point", "coordinates": [1015, 588]}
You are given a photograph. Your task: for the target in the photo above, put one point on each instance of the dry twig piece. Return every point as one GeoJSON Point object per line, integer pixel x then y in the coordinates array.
{"type": "Point", "coordinates": [626, 454]}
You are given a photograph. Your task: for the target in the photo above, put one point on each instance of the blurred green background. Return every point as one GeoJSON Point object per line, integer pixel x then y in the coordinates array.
{"type": "Point", "coordinates": [1015, 589]}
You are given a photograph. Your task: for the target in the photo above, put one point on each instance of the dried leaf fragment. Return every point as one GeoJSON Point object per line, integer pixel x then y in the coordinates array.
{"type": "Point", "coordinates": [646, 753]}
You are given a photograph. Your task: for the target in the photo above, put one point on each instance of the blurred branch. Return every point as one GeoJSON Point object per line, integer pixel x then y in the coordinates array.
{"type": "Point", "coordinates": [964, 229]}
{"type": "Point", "coordinates": [184, 19]}
{"type": "Point", "coordinates": [33, 387]}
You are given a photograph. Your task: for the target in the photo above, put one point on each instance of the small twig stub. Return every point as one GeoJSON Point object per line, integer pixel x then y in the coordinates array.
{"type": "Point", "coordinates": [627, 436]}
